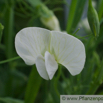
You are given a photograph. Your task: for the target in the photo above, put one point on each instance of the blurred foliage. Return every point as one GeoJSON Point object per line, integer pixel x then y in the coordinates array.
{"type": "Point", "coordinates": [16, 86]}
{"type": "Point", "coordinates": [76, 7]}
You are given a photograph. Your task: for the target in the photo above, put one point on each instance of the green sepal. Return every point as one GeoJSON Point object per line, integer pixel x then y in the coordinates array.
{"type": "Point", "coordinates": [44, 11]}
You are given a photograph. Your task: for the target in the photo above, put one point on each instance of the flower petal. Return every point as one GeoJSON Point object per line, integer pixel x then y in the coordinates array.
{"type": "Point", "coordinates": [30, 42]}
{"type": "Point", "coordinates": [40, 64]}
{"type": "Point", "coordinates": [68, 51]}
{"type": "Point", "coordinates": [51, 64]}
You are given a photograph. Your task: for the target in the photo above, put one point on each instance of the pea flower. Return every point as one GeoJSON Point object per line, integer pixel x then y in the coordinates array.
{"type": "Point", "coordinates": [46, 49]}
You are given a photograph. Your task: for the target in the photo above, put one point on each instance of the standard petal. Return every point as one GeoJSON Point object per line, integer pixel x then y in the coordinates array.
{"type": "Point", "coordinates": [51, 64]}
{"type": "Point", "coordinates": [68, 51]}
{"type": "Point", "coordinates": [30, 42]}
{"type": "Point", "coordinates": [40, 64]}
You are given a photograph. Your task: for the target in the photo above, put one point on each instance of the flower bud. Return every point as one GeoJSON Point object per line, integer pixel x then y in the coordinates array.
{"type": "Point", "coordinates": [48, 18]}
{"type": "Point", "coordinates": [93, 20]}
{"type": "Point", "coordinates": [51, 22]}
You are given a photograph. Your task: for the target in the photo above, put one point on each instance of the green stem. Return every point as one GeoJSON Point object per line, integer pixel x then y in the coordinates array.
{"type": "Point", "coordinates": [33, 86]}
{"type": "Point", "coordinates": [23, 9]}
{"type": "Point", "coordinates": [57, 9]}
{"type": "Point", "coordinates": [59, 72]}
{"type": "Point", "coordinates": [76, 31]}
{"type": "Point", "coordinates": [56, 80]}
{"type": "Point", "coordinates": [27, 6]}
{"type": "Point", "coordinates": [85, 36]}
{"type": "Point", "coordinates": [8, 32]}
{"type": "Point", "coordinates": [5, 61]}
{"type": "Point", "coordinates": [90, 3]}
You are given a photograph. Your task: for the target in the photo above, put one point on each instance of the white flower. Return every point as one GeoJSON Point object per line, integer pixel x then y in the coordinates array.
{"type": "Point", "coordinates": [48, 48]}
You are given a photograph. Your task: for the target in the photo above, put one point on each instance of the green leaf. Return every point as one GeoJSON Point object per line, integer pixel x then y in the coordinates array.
{"type": "Point", "coordinates": [34, 2]}
{"type": "Point", "coordinates": [10, 100]}
{"type": "Point", "coordinates": [75, 13]}
{"type": "Point", "coordinates": [100, 9]}
{"type": "Point", "coordinates": [8, 60]}
{"type": "Point", "coordinates": [33, 86]}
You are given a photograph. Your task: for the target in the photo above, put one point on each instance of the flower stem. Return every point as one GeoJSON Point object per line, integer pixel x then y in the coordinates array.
{"type": "Point", "coordinates": [33, 86]}
{"type": "Point", "coordinates": [90, 2]}
{"type": "Point", "coordinates": [76, 31]}
{"type": "Point", "coordinates": [8, 24]}
{"type": "Point", "coordinates": [56, 80]}
{"type": "Point", "coordinates": [8, 60]}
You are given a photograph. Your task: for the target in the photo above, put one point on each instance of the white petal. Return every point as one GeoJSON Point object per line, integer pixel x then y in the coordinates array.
{"type": "Point", "coordinates": [30, 42]}
{"type": "Point", "coordinates": [40, 64]}
{"type": "Point", "coordinates": [68, 51]}
{"type": "Point", "coordinates": [51, 64]}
